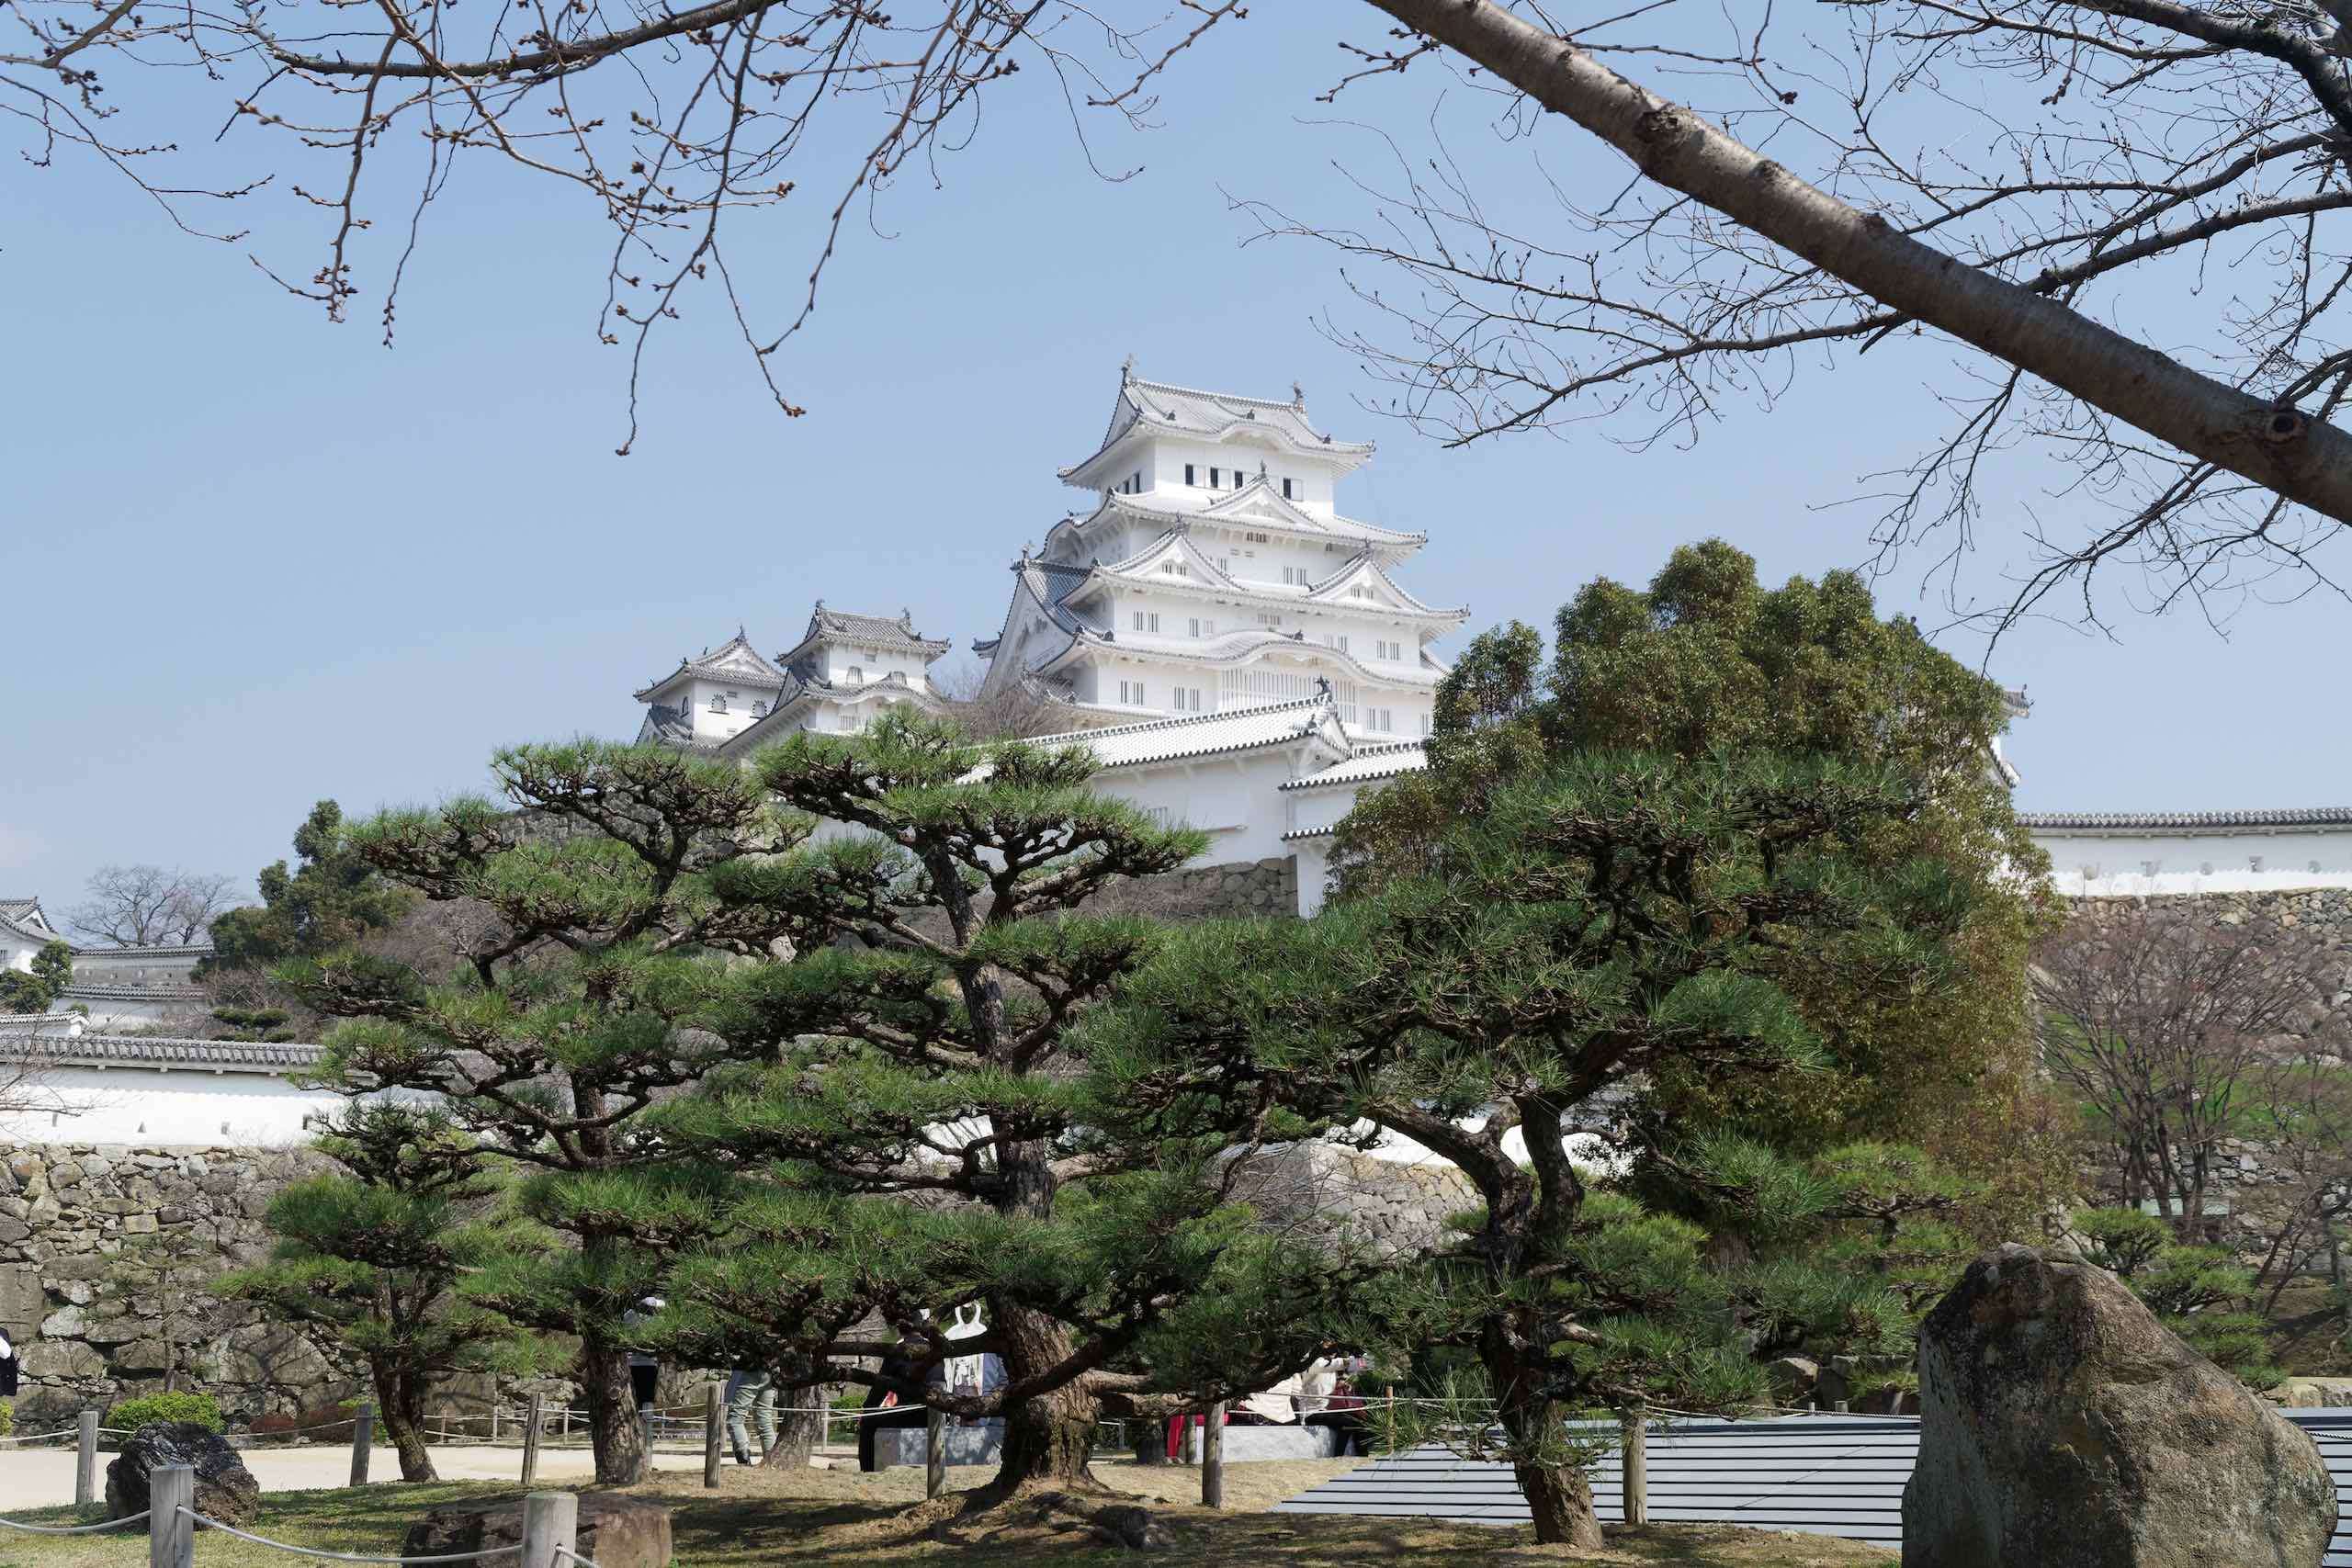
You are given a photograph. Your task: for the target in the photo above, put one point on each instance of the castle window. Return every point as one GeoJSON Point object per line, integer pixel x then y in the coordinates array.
{"type": "Point", "coordinates": [1131, 693]}
{"type": "Point", "coordinates": [1214, 475]}
{"type": "Point", "coordinates": [1287, 495]}
{"type": "Point", "coordinates": [718, 704]}
{"type": "Point", "coordinates": [1425, 724]}
{"type": "Point", "coordinates": [758, 710]}
{"type": "Point", "coordinates": [1268, 619]}
{"type": "Point", "coordinates": [856, 675]}
{"type": "Point", "coordinates": [1188, 475]}
{"type": "Point", "coordinates": [1146, 621]}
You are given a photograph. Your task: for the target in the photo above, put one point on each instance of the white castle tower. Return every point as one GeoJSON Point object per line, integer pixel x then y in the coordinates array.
{"type": "Point", "coordinates": [1216, 572]}
{"type": "Point", "coordinates": [844, 673]}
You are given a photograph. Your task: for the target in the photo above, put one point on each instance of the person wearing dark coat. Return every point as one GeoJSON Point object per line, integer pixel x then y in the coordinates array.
{"type": "Point", "coordinates": [8, 1367]}
{"type": "Point", "coordinates": [899, 1366]}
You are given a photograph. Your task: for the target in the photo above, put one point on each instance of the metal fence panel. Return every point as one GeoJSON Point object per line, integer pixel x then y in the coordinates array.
{"type": "Point", "coordinates": [1840, 1475]}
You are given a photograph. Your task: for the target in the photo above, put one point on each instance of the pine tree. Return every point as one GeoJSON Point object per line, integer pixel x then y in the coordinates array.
{"type": "Point", "coordinates": [925, 1137]}
{"type": "Point", "coordinates": [593, 922]}
{"type": "Point", "coordinates": [1603, 922]}
{"type": "Point", "coordinates": [369, 1258]}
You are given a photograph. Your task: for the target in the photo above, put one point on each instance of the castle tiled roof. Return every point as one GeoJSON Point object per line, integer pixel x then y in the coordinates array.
{"type": "Point", "coordinates": [735, 659]}
{"type": "Point", "coordinates": [1196, 735]}
{"type": "Point", "coordinates": [188, 950]}
{"type": "Point", "coordinates": [2327, 817]}
{"type": "Point", "coordinates": [1383, 760]}
{"type": "Point", "coordinates": [173, 1054]}
{"type": "Point", "coordinates": [864, 631]}
{"type": "Point", "coordinates": [159, 992]}
{"type": "Point", "coordinates": [1188, 410]}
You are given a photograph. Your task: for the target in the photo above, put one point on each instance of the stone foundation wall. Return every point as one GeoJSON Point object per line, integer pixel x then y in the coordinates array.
{"type": "Point", "coordinates": [1207, 892]}
{"type": "Point", "coordinates": [105, 1252]}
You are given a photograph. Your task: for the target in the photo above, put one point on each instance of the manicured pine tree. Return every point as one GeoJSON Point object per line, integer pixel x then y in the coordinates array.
{"type": "Point", "coordinates": [1605, 921]}
{"type": "Point", "coordinates": [925, 1139]}
{"type": "Point", "coordinates": [369, 1257]}
{"type": "Point", "coordinates": [590, 920]}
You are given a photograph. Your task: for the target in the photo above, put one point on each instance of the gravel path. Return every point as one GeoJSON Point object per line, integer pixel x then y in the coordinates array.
{"type": "Point", "coordinates": [37, 1478]}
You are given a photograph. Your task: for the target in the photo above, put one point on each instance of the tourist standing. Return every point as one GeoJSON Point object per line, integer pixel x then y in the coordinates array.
{"type": "Point", "coordinates": [884, 1407]}
{"type": "Point", "coordinates": [750, 1406]}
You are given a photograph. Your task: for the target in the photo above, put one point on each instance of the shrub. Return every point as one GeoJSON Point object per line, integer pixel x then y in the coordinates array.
{"type": "Point", "coordinates": [129, 1414]}
{"type": "Point", "coordinates": [7, 1418]}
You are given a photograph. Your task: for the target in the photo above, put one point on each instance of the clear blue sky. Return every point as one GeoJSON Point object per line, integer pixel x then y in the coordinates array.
{"type": "Point", "coordinates": [252, 560]}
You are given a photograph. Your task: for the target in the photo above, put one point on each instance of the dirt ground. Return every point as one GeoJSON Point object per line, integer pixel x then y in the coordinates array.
{"type": "Point", "coordinates": [839, 1519]}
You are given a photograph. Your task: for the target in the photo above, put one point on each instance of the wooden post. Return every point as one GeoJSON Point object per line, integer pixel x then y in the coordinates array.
{"type": "Point", "coordinates": [86, 1461]}
{"type": "Point", "coordinates": [1212, 1457]}
{"type": "Point", "coordinates": [1635, 1472]}
{"type": "Point", "coordinates": [1840, 1407]}
{"type": "Point", "coordinates": [934, 1453]}
{"type": "Point", "coordinates": [531, 1443]}
{"type": "Point", "coordinates": [171, 1533]}
{"type": "Point", "coordinates": [714, 1423]}
{"type": "Point", "coordinates": [1391, 1418]}
{"type": "Point", "coordinates": [494, 1414]}
{"type": "Point", "coordinates": [363, 1438]}
{"type": "Point", "coordinates": [550, 1524]}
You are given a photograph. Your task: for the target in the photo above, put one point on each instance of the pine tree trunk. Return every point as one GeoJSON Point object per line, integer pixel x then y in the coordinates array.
{"type": "Point", "coordinates": [799, 1419]}
{"type": "Point", "coordinates": [613, 1431]}
{"type": "Point", "coordinates": [1560, 1499]}
{"type": "Point", "coordinates": [399, 1405]}
{"type": "Point", "coordinates": [1049, 1439]}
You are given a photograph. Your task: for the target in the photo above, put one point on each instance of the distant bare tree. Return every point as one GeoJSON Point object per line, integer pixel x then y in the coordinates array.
{"type": "Point", "coordinates": [1015, 711]}
{"type": "Point", "coordinates": [146, 906]}
{"type": "Point", "coordinates": [2178, 1032]}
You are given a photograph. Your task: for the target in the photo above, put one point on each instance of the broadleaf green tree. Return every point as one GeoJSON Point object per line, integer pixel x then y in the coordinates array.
{"type": "Point", "coordinates": [332, 898]}
{"type": "Point", "coordinates": [369, 1259]}
{"type": "Point", "coordinates": [1595, 922]}
{"type": "Point", "coordinates": [1706, 661]}
{"type": "Point", "coordinates": [37, 989]}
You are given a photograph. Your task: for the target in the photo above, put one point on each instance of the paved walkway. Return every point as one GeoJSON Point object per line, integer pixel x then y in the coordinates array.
{"type": "Point", "coordinates": [40, 1477]}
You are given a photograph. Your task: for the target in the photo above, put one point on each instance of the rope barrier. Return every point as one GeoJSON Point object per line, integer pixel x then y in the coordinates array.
{"type": "Point", "coordinates": [138, 1517]}
{"type": "Point", "coordinates": [41, 1437]}
{"type": "Point", "coordinates": [566, 1551]}
{"type": "Point", "coordinates": [345, 1556]}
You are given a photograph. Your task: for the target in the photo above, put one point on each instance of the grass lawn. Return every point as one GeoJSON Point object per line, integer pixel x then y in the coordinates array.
{"type": "Point", "coordinates": [841, 1519]}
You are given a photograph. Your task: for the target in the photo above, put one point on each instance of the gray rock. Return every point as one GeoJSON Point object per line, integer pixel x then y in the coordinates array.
{"type": "Point", "coordinates": [225, 1490]}
{"type": "Point", "coordinates": [2063, 1427]}
{"type": "Point", "coordinates": [615, 1531]}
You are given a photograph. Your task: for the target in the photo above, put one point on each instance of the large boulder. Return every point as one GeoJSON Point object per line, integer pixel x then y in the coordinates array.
{"type": "Point", "coordinates": [2063, 1427]}
{"type": "Point", "coordinates": [615, 1531]}
{"type": "Point", "coordinates": [225, 1489]}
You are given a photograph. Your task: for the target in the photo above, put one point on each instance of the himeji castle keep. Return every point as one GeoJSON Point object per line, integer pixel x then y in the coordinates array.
{"type": "Point", "coordinates": [1237, 652]}
{"type": "Point", "coordinates": [1241, 655]}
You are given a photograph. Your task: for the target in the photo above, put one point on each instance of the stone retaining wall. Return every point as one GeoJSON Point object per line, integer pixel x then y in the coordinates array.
{"type": "Point", "coordinates": [105, 1252]}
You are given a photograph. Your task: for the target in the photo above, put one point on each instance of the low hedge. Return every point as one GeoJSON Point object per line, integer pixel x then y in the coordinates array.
{"type": "Point", "coordinates": [199, 1409]}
